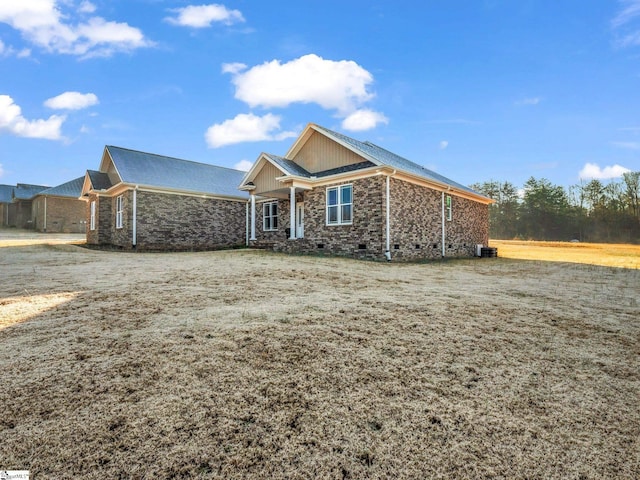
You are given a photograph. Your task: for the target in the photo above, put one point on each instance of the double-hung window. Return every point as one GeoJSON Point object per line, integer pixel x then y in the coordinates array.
{"type": "Point", "coordinates": [340, 205]}
{"type": "Point", "coordinates": [270, 216]}
{"type": "Point", "coordinates": [92, 223]}
{"type": "Point", "coordinates": [119, 210]}
{"type": "Point", "coordinates": [448, 208]}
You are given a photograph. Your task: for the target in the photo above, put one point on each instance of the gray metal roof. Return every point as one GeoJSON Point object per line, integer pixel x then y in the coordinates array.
{"type": "Point", "coordinates": [173, 173]}
{"type": "Point", "coordinates": [289, 166]}
{"type": "Point", "coordinates": [346, 168]}
{"type": "Point", "coordinates": [5, 193]}
{"type": "Point", "coordinates": [72, 189]}
{"type": "Point", "coordinates": [24, 191]}
{"type": "Point", "coordinates": [99, 180]}
{"type": "Point", "coordinates": [385, 157]}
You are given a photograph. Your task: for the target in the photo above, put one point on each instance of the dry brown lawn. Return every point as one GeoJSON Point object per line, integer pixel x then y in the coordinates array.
{"type": "Point", "coordinates": [603, 254]}
{"type": "Point", "coordinates": [247, 364]}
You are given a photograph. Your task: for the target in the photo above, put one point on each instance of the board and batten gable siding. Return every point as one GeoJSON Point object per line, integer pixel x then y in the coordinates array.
{"type": "Point", "coordinates": [320, 153]}
{"type": "Point", "coordinates": [184, 222]}
{"type": "Point", "coordinates": [266, 181]}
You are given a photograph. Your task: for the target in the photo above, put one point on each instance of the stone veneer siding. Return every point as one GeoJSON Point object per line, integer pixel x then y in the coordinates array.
{"type": "Point", "coordinates": [365, 231]}
{"type": "Point", "coordinates": [102, 233]}
{"type": "Point", "coordinates": [183, 222]}
{"type": "Point", "coordinates": [64, 215]}
{"type": "Point", "coordinates": [415, 224]}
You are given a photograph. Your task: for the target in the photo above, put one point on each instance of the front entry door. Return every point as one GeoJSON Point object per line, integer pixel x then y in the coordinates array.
{"type": "Point", "coordinates": [300, 220]}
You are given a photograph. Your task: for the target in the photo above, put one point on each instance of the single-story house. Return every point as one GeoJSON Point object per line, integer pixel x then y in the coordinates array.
{"type": "Point", "coordinates": [146, 201]}
{"type": "Point", "coordinates": [20, 211]}
{"type": "Point", "coordinates": [336, 195]}
{"type": "Point", "coordinates": [5, 202]}
{"type": "Point", "coordinates": [59, 209]}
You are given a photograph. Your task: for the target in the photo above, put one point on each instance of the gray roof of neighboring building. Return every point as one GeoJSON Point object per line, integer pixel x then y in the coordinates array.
{"type": "Point", "coordinates": [72, 188]}
{"type": "Point", "coordinates": [5, 193]}
{"type": "Point", "coordinates": [385, 157]}
{"type": "Point", "coordinates": [99, 180]}
{"type": "Point", "coordinates": [24, 191]}
{"type": "Point", "coordinates": [154, 170]}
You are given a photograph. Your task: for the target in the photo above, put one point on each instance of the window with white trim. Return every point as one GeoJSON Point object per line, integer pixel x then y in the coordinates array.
{"type": "Point", "coordinates": [270, 216]}
{"type": "Point", "coordinates": [448, 208]}
{"type": "Point", "coordinates": [119, 210]}
{"type": "Point", "coordinates": [340, 205]}
{"type": "Point", "coordinates": [92, 223]}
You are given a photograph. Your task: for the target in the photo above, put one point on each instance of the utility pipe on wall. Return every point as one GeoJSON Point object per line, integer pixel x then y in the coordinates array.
{"type": "Point", "coordinates": [253, 217]}
{"type": "Point", "coordinates": [443, 227]}
{"type": "Point", "coordinates": [387, 252]}
{"type": "Point", "coordinates": [246, 224]}
{"type": "Point", "coordinates": [292, 214]}
{"type": "Point", "coordinates": [45, 213]}
{"type": "Point", "coordinates": [135, 216]}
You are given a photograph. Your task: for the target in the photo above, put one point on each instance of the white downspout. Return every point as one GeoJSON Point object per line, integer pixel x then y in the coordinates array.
{"type": "Point", "coordinates": [246, 224]}
{"type": "Point", "coordinates": [253, 217]}
{"type": "Point", "coordinates": [443, 228]}
{"type": "Point", "coordinates": [387, 252]}
{"type": "Point", "coordinates": [292, 213]}
{"type": "Point", "coordinates": [135, 217]}
{"type": "Point", "coordinates": [45, 213]}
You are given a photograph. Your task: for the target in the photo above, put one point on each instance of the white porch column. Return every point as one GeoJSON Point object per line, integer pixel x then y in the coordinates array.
{"type": "Point", "coordinates": [292, 213]}
{"type": "Point", "coordinates": [253, 217]}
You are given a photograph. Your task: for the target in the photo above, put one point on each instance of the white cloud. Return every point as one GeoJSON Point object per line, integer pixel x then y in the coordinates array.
{"type": "Point", "coordinates": [334, 85]}
{"type": "Point", "coordinates": [43, 23]}
{"type": "Point", "coordinates": [630, 10]}
{"type": "Point", "coordinates": [244, 165]}
{"type": "Point", "coordinates": [361, 120]}
{"type": "Point", "coordinates": [528, 101]}
{"type": "Point", "coordinates": [72, 101]}
{"type": "Point", "coordinates": [627, 145]}
{"type": "Point", "coordinates": [86, 7]}
{"type": "Point", "coordinates": [628, 33]}
{"type": "Point", "coordinates": [201, 16]}
{"type": "Point", "coordinates": [443, 144]}
{"type": "Point", "coordinates": [12, 121]}
{"type": "Point", "coordinates": [246, 128]}
{"type": "Point", "coordinates": [1, 171]}
{"type": "Point", "coordinates": [233, 68]}
{"type": "Point", "coordinates": [593, 171]}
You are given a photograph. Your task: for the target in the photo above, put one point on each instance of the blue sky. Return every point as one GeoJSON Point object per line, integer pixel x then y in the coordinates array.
{"type": "Point", "coordinates": [475, 90]}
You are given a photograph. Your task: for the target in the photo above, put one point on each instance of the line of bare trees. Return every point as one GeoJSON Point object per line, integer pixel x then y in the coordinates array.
{"type": "Point", "coordinates": [590, 211]}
